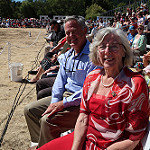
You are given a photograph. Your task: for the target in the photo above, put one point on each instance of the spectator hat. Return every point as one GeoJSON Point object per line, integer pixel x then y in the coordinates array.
{"type": "Point", "coordinates": [132, 28]}
{"type": "Point", "coordinates": [147, 69]}
{"type": "Point", "coordinates": [139, 65]}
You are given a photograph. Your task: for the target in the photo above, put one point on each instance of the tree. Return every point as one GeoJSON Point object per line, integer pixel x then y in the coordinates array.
{"type": "Point", "coordinates": [39, 7]}
{"type": "Point", "coordinates": [27, 10]}
{"type": "Point", "coordinates": [5, 9]}
{"type": "Point", "coordinates": [15, 6]}
{"type": "Point", "coordinates": [93, 11]}
{"type": "Point", "coordinates": [66, 7]}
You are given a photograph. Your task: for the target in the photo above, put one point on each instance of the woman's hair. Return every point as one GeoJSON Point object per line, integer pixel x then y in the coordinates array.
{"type": "Point", "coordinates": [94, 56]}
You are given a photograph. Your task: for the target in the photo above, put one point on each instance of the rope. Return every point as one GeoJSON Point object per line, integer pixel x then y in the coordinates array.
{"type": "Point", "coordinates": [9, 58]}
{"type": "Point", "coordinates": [16, 101]}
{"type": "Point", "coordinates": [15, 104]}
{"type": "Point", "coordinates": [3, 48]}
{"type": "Point", "coordinates": [36, 61]}
{"type": "Point", "coordinates": [30, 44]}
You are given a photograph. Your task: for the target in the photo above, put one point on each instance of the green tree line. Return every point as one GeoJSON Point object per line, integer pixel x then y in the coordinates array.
{"type": "Point", "coordinates": [35, 8]}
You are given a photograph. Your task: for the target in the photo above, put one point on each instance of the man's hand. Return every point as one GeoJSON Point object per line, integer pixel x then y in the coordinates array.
{"type": "Point", "coordinates": [55, 107]}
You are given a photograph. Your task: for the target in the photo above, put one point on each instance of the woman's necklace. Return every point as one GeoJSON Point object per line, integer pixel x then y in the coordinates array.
{"type": "Point", "coordinates": [108, 85]}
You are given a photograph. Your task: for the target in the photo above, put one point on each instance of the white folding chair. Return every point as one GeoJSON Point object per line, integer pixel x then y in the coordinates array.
{"type": "Point", "coordinates": [146, 140]}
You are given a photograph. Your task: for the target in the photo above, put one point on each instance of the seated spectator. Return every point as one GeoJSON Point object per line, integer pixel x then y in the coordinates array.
{"type": "Point", "coordinates": [50, 63]}
{"type": "Point", "coordinates": [132, 34]}
{"type": "Point", "coordinates": [133, 22]}
{"type": "Point", "coordinates": [114, 107]}
{"type": "Point", "coordinates": [141, 19]}
{"type": "Point", "coordinates": [56, 34]}
{"type": "Point", "coordinates": [147, 31]}
{"type": "Point", "coordinates": [118, 23]}
{"type": "Point", "coordinates": [129, 12]}
{"type": "Point", "coordinates": [147, 75]}
{"type": "Point", "coordinates": [44, 85]}
{"type": "Point", "coordinates": [101, 23]}
{"type": "Point", "coordinates": [47, 118]}
{"type": "Point", "coordinates": [126, 24]}
{"type": "Point", "coordinates": [114, 22]}
{"type": "Point", "coordinates": [93, 33]}
{"type": "Point", "coordinates": [146, 59]}
{"type": "Point", "coordinates": [139, 44]}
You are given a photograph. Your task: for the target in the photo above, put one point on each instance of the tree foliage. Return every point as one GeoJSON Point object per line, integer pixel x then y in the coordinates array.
{"type": "Point", "coordinates": [26, 9]}
{"type": "Point", "coordinates": [93, 11]}
{"type": "Point", "coordinates": [35, 8]}
{"type": "Point", "coordinates": [5, 8]}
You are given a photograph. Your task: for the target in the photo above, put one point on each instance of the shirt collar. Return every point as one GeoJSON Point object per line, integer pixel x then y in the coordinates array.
{"type": "Point", "coordinates": [85, 50]}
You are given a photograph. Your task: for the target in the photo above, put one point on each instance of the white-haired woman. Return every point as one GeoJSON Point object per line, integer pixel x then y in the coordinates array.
{"type": "Point", "coordinates": [114, 107]}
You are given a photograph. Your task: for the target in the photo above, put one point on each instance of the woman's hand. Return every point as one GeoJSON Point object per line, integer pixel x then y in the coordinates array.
{"type": "Point", "coordinates": [51, 69]}
{"type": "Point", "coordinates": [123, 145]}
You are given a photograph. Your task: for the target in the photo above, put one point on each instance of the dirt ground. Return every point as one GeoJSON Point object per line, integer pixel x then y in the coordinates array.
{"type": "Point", "coordinates": [17, 46]}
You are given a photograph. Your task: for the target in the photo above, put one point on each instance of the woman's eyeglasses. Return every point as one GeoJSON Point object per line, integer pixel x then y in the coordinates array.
{"type": "Point", "coordinates": [112, 47]}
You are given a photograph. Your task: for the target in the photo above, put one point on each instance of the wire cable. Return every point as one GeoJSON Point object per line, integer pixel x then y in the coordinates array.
{"type": "Point", "coordinates": [16, 101]}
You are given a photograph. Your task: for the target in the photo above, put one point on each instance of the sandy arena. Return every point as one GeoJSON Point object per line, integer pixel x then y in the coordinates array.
{"type": "Point", "coordinates": [22, 49]}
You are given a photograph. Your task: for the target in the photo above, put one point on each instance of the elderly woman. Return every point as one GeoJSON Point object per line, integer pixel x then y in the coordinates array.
{"type": "Point", "coordinates": [114, 107]}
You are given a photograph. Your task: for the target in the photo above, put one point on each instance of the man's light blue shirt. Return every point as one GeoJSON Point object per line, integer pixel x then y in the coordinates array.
{"type": "Point", "coordinates": [71, 75]}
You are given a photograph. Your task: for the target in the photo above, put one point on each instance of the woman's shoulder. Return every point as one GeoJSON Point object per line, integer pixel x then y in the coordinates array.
{"type": "Point", "coordinates": [95, 72]}
{"type": "Point", "coordinates": [134, 75]}
{"type": "Point", "coordinates": [93, 75]}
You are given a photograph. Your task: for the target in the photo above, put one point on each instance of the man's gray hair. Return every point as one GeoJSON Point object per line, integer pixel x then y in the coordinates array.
{"type": "Point", "coordinates": [94, 56]}
{"type": "Point", "coordinates": [79, 19]}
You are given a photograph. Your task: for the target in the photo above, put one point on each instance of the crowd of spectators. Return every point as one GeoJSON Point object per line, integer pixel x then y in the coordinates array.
{"type": "Point", "coordinates": [120, 20]}
{"type": "Point", "coordinates": [123, 20]}
{"type": "Point", "coordinates": [23, 23]}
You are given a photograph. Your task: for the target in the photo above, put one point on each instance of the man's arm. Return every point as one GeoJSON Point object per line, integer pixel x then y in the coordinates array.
{"type": "Point", "coordinates": [75, 99]}
{"type": "Point", "coordinates": [59, 84]}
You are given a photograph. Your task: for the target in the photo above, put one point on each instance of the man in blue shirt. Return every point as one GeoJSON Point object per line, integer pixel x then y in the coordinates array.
{"type": "Point", "coordinates": [49, 117]}
{"type": "Point", "coordinates": [132, 34]}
